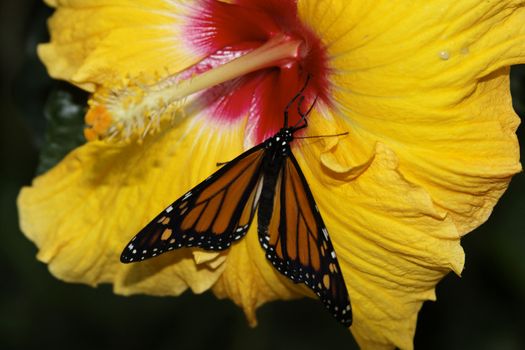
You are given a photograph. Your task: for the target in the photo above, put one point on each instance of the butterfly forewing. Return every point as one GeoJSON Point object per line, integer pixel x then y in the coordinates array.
{"type": "Point", "coordinates": [211, 216]}
{"type": "Point", "coordinates": [296, 240]}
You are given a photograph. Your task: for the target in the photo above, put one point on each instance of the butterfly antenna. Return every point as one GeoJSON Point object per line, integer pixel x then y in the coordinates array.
{"type": "Point", "coordinates": [293, 100]}
{"type": "Point", "coordinates": [319, 136]}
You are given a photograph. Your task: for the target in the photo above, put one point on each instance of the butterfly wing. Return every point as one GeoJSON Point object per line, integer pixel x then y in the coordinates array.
{"type": "Point", "coordinates": [210, 216]}
{"type": "Point", "coordinates": [296, 241]}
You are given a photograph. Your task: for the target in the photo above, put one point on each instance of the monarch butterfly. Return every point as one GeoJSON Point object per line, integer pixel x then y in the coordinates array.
{"type": "Point", "coordinates": [218, 211]}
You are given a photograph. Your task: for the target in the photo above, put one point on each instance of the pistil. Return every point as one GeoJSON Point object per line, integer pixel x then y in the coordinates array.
{"type": "Point", "coordinates": [139, 109]}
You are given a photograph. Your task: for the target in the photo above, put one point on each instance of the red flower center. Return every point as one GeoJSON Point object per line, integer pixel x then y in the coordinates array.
{"type": "Point", "coordinates": [224, 31]}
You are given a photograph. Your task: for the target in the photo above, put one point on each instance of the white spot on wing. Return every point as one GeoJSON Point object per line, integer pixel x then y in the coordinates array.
{"type": "Point", "coordinates": [169, 209]}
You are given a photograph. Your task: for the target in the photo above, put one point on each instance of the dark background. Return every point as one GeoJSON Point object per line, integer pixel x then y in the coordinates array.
{"type": "Point", "coordinates": [485, 309]}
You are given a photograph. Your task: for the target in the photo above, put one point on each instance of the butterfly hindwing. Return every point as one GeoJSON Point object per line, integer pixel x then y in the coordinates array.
{"type": "Point", "coordinates": [296, 240]}
{"type": "Point", "coordinates": [210, 216]}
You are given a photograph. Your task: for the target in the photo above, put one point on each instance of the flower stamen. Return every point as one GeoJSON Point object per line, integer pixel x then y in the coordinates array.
{"type": "Point", "coordinates": [138, 109]}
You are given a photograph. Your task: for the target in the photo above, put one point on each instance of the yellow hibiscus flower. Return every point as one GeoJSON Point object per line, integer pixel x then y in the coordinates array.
{"type": "Point", "coordinates": [421, 87]}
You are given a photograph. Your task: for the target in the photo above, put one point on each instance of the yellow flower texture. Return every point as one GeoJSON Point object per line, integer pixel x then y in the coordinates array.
{"type": "Point", "coordinates": [422, 87]}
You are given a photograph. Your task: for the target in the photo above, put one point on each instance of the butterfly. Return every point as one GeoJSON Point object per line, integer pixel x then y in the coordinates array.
{"type": "Point", "coordinates": [266, 180]}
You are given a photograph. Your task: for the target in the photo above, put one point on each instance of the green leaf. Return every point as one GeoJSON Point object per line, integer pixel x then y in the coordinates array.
{"type": "Point", "coordinates": [64, 130]}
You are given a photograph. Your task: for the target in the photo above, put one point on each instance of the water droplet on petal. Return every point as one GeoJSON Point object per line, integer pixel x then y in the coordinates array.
{"type": "Point", "coordinates": [444, 55]}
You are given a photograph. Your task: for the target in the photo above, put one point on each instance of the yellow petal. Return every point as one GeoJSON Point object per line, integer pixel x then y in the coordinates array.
{"type": "Point", "coordinates": [250, 280]}
{"type": "Point", "coordinates": [83, 212]}
{"type": "Point", "coordinates": [98, 42]}
{"type": "Point", "coordinates": [422, 89]}
{"type": "Point", "coordinates": [212, 259]}
{"type": "Point", "coordinates": [392, 244]}
{"type": "Point", "coordinates": [428, 79]}
{"type": "Point", "coordinates": [432, 97]}
{"type": "Point", "coordinates": [344, 157]}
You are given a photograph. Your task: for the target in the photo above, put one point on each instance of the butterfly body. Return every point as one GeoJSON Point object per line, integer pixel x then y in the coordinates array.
{"type": "Point", "coordinates": [266, 181]}
{"type": "Point", "coordinates": [278, 149]}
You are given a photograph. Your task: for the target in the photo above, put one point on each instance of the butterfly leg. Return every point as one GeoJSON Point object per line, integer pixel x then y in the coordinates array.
{"type": "Point", "coordinates": [299, 94]}
{"type": "Point", "coordinates": [303, 115]}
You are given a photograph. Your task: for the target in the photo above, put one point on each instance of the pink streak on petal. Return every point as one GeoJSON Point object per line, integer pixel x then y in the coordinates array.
{"type": "Point", "coordinates": [222, 31]}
